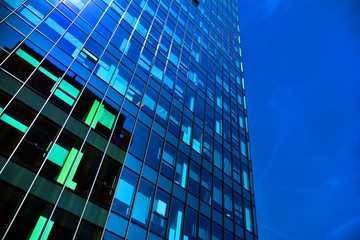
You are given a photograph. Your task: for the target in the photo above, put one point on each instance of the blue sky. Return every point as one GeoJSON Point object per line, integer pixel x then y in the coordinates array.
{"type": "Point", "coordinates": [302, 70]}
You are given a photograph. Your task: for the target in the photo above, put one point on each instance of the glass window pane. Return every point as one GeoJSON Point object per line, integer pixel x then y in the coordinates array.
{"type": "Point", "coordinates": [194, 178]}
{"type": "Point", "coordinates": [190, 225]}
{"type": "Point", "coordinates": [175, 221]}
{"type": "Point", "coordinates": [160, 212]}
{"type": "Point", "coordinates": [125, 191]}
{"type": "Point", "coordinates": [142, 204]}
{"type": "Point", "coordinates": [181, 169]}
{"type": "Point", "coordinates": [155, 149]}
{"type": "Point", "coordinates": [139, 140]}
{"type": "Point", "coordinates": [204, 228]}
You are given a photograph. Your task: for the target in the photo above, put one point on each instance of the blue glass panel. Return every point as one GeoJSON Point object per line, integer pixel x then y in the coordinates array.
{"type": "Point", "coordinates": [143, 201]}
{"type": "Point", "coordinates": [116, 224]}
{"type": "Point", "coordinates": [139, 141]}
{"type": "Point", "coordinates": [10, 39]}
{"type": "Point", "coordinates": [155, 145]}
{"type": "Point", "coordinates": [176, 220]}
{"type": "Point", "coordinates": [125, 192]}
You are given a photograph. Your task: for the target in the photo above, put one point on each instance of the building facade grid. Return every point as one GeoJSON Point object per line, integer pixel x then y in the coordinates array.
{"type": "Point", "coordinates": [123, 120]}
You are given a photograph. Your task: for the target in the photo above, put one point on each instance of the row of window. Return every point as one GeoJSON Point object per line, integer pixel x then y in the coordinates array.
{"type": "Point", "coordinates": [161, 219]}
{"type": "Point", "coordinates": [67, 159]}
{"type": "Point", "coordinates": [172, 162]}
{"type": "Point", "coordinates": [33, 220]}
{"type": "Point", "coordinates": [105, 69]}
{"type": "Point", "coordinates": [68, 91]}
{"type": "Point", "coordinates": [167, 159]}
{"type": "Point", "coordinates": [150, 103]}
{"type": "Point", "coordinates": [34, 15]}
{"type": "Point", "coordinates": [186, 130]}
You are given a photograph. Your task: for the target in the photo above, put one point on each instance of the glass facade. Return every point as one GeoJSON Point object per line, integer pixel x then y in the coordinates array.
{"type": "Point", "coordinates": [123, 119]}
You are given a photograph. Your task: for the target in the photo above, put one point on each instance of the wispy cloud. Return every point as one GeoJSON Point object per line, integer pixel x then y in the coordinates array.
{"type": "Point", "coordinates": [272, 4]}
{"type": "Point", "coordinates": [347, 230]}
{"type": "Point", "coordinates": [279, 234]}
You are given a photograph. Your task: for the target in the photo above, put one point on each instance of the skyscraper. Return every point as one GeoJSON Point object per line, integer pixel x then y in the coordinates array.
{"type": "Point", "coordinates": [123, 119]}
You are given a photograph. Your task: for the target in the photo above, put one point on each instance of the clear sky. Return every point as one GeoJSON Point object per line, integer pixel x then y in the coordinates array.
{"type": "Point", "coordinates": [302, 70]}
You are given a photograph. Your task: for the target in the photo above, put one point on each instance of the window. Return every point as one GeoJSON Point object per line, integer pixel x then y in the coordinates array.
{"type": "Point", "coordinates": [121, 79]}
{"type": "Point", "coordinates": [121, 38]}
{"type": "Point", "coordinates": [157, 71]}
{"type": "Point", "coordinates": [106, 67]}
{"type": "Point", "coordinates": [181, 169]}
{"type": "Point", "coordinates": [186, 130]}
{"type": "Point", "coordinates": [200, 105]}
{"type": "Point", "coordinates": [175, 118]}
{"type": "Point", "coordinates": [175, 221]}
{"type": "Point", "coordinates": [155, 149]}
{"type": "Point", "coordinates": [197, 139]}
{"type": "Point", "coordinates": [180, 90]}
{"type": "Point", "coordinates": [190, 99]}
{"type": "Point", "coordinates": [243, 146]}
{"type": "Point", "coordinates": [106, 181]}
{"type": "Point", "coordinates": [216, 232]}
{"type": "Point", "coordinates": [123, 130]}
{"type": "Point", "coordinates": [115, 224]}
{"type": "Point", "coordinates": [217, 194]}
{"type": "Point", "coordinates": [245, 175]}
{"type": "Point", "coordinates": [204, 228]}
{"type": "Point", "coordinates": [149, 101]}
{"type": "Point", "coordinates": [218, 159]}
{"type": "Point", "coordinates": [169, 79]}
{"type": "Point", "coordinates": [33, 148]}
{"type": "Point", "coordinates": [142, 204]}
{"type": "Point", "coordinates": [168, 160]}
{"type": "Point", "coordinates": [238, 209]}
{"type": "Point", "coordinates": [125, 192]}
{"type": "Point", "coordinates": [14, 122]}
{"type": "Point", "coordinates": [248, 219]}
{"type": "Point", "coordinates": [227, 162]}
{"type": "Point", "coordinates": [160, 212]}
{"type": "Point", "coordinates": [190, 224]}
{"type": "Point", "coordinates": [33, 217]}
{"type": "Point", "coordinates": [236, 169]}
{"type": "Point", "coordinates": [206, 186]}
{"type": "Point", "coordinates": [194, 178]}
{"type": "Point", "coordinates": [139, 140]}
{"type": "Point", "coordinates": [98, 114]}
{"type": "Point", "coordinates": [218, 123]}
{"type": "Point", "coordinates": [228, 205]}
{"type": "Point", "coordinates": [162, 111]}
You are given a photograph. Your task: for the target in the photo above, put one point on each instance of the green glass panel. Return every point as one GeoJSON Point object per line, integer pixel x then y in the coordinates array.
{"type": "Point", "coordinates": [40, 224]}
{"type": "Point", "coordinates": [69, 89]}
{"type": "Point", "coordinates": [47, 148]}
{"type": "Point", "coordinates": [27, 57]}
{"type": "Point", "coordinates": [66, 169]}
{"type": "Point", "coordinates": [92, 56]}
{"type": "Point", "coordinates": [70, 183]}
{"type": "Point", "coordinates": [13, 122]}
{"type": "Point", "coordinates": [63, 96]}
{"type": "Point", "coordinates": [47, 230]}
{"type": "Point", "coordinates": [92, 113]}
{"type": "Point", "coordinates": [107, 119]}
{"type": "Point", "coordinates": [58, 155]}
{"type": "Point", "coordinates": [49, 74]}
